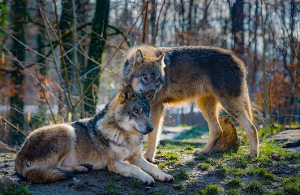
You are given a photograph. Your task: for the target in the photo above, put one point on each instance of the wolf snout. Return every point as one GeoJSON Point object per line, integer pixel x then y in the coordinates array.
{"type": "Point", "coordinates": [149, 128]}
{"type": "Point", "coordinates": [149, 95]}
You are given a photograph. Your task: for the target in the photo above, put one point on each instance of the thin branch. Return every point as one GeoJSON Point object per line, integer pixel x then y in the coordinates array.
{"type": "Point", "coordinates": [157, 23]}
{"type": "Point", "coordinates": [6, 147]}
{"type": "Point", "coordinates": [118, 31]}
{"type": "Point", "coordinates": [20, 64]}
{"type": "Point", "coordinates": [13, 126]}
{"type": "Point", "coordinates": [40, 83]}
{"type": "Point", "coordinates": [203, 19]}
{"type": "Point", "coordinates": [62, 57]}
{"type": "Point", "coordinates": [41, 55]}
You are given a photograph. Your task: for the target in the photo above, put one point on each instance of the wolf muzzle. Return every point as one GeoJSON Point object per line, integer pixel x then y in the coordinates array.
{"type": "Point", "coordinates": [149, 95]}
{"type": "Point", "coordinates": [149, 128]}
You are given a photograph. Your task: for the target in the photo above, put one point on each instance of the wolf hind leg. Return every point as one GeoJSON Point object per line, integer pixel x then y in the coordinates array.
{"type": "Point", "coordinates": [76, 169]}
{"type": "Point", "coordinates": [240, 109]}
{"type": "Point", "coordinates": [46, 174]}
{"type": "Point", "coordinates": [208, 105]}
{"type": "Point", "coordinates": [153, 137]}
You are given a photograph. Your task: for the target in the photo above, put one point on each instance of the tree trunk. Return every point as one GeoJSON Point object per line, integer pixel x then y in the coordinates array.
{"type": "Point", "coordinates": [153, 20]}
{"type": "Point", "coordinates": [237, 21]}
{"type": "Point", "coordinates": [96, 49]}
{"type": "Point", "coordinates": [18, 12]}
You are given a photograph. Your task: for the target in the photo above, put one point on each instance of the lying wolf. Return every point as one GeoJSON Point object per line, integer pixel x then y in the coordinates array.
{"type": "Point", "coordinates": [109, 139]}
{"type": "Point", "coordinates": [207, 75]}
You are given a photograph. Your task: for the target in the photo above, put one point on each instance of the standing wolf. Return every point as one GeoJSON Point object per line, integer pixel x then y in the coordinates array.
{"type": "Point", "coordinates": [208, 75]}
{"type": "Point", "coordinates": [109, 139]}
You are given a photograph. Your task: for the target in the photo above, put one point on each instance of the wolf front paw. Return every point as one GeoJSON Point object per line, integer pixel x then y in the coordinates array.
{"type": "Point", "coordinates": [252, 154]}
{"type": "Point", "coordinates": [147, 179]}
{"type": "Point", "coordinates": [198, 152]}
{"type": "Point", "coordinates": [165, 177]}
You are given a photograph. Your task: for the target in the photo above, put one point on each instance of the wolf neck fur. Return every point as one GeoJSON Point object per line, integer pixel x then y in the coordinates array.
{"type": "Point", "coordinates": [112, 132]}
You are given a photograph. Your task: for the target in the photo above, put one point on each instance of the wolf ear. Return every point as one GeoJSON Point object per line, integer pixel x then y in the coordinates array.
{"type": "Point", "coordinates": [161, 57]}
{"type": "Point", "coordinates": [161, 60]}
{"type": "Point", "coordinates": [138, 58]}
{"type": "Point", "coordinates": [126, 94]}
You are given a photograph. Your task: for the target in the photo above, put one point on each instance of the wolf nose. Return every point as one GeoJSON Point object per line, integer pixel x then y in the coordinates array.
{"type": "Point", "coordinates": [149, 128]}
{"type": "Point", "coordinates": [149, 95]}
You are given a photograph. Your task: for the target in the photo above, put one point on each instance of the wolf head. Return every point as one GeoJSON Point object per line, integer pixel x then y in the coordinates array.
{"type": "Point", "coordinates": [132, 111]}
{"type": "Point", "coordinates": [145, 74]}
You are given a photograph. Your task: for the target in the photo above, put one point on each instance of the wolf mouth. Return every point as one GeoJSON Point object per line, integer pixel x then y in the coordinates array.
{"type": "Point", "coordinates": [144, 133]}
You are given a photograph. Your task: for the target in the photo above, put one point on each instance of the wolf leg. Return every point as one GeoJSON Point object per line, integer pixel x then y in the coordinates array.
{"type": "Point", "coordinates": [153, 170]}
{"type": "Point", "coordinates": [76, 169]}
{"type": "Point", "coordinates": [209, 108]}
{"type": "Point", "coordinates": [240, 109]}
{"type": "Point", "coordinates": [153, 137]}
{"type": "Point", "coordinates": [129, 170]}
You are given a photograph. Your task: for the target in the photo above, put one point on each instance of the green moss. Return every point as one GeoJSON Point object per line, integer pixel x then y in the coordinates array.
{"type": "Point", "coordinates": [112, 188]}
{"type": "Point", "coordinates": [233, 192]}
{"type": "Point", "coordinates": [262, 172]}
{"type": "Point", "coordinates": [159, 192]}
{"type": "Point", "coordinates": [234, 182]}
{"type": "Point", "coordinates": [238, 171]}
{"type": "Point", "coordinates": [211, 161]}
{"type": "Point", "coordinates": [138, 193]}
{"type": "Point", "coordinates": [211, 189]}
{"type": "Point", "coordinates": [277, 192]}
{"type": "Point", "coordinates": [169, 155]}
{"type": "Point", "coordinates": [203, 166]}
{"type": "Point", "coordinates": [281, 164]}
{"type": "Point", "coordinates": [136, 183]}
{"type": "Point", "coordinates": [201, 157]}
{"type": "Point", "coordinates": [255, 187]}
{"type": "Point", "coordinates": [18, 190]}
{"type": "Point", "coordinates": [181, 174]}
{"type": "Point", "coordinates": [291, 184]}
{"type": "Point", "coordinates": [190, 163]}
{"type": "Point", "coordinates": [240, 162]}
{"type": "Point", "coordinates": [178, 186]}
{"type": "Point", "coordinates": [262, 161]}
{"type": "Point", "coordinates": [116, 177]}
{"type": "Point", "coordinates": [221, 171]}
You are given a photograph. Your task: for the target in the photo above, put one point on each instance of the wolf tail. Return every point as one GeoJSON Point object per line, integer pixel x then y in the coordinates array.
{"type": "Point", "coordinates": [40, 173]}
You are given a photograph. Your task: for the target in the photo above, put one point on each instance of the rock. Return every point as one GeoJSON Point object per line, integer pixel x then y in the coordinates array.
{"type": "Point", "coordinates": [296, 149]}
{"type": "Point", "coordinates": [290, 139]}
{"type": "Point", "coordinates": [229, 139]}
{"type": "Point", "coordinates": [6, 182]}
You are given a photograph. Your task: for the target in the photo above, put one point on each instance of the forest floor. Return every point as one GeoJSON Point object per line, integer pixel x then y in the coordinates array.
{"type": "Point", "coordinates": [275, 171]}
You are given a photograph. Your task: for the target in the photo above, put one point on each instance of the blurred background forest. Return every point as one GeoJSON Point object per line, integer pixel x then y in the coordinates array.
{"type": "Point", "coordinates": [61, 59]}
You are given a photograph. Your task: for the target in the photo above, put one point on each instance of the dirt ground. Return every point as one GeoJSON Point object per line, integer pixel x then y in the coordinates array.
{"type": "Point", "coordinates": [105, 182]}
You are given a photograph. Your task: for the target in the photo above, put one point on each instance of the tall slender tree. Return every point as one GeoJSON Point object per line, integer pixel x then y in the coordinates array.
{"type": "Point", "coordinates": [237, 21]}
{"type": "Point", "coordinates": [96, 48]}
{"type": "Point", "coordinates": [18, 13]}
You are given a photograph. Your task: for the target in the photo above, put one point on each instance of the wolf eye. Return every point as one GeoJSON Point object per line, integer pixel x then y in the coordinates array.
{"type": "Point", "coordinates": [136, 111]}
{"type": "Point", "coordinates": [145, 78]}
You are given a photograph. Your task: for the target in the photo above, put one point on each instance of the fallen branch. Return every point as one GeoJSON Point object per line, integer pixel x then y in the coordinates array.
{"type": "Point", "coordinates": [13, 126]}
{"type": "Point", "coordinates": [6, 147]}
